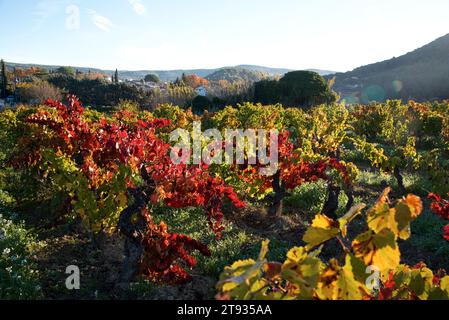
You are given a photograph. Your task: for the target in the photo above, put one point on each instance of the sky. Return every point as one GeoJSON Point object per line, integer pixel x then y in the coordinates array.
{"type": "Point", "coordinates": [337, 35]}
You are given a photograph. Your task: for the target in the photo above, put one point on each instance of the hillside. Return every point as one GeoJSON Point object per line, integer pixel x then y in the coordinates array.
{"type": "Point", "coordinates": [237, 74]}
{"type": "Point", "coordinates": [164, 75]}
{"type": "Point", "coordinates": [168, 75]}
{"type": "Point", "coordinates": [281, 71]}
{"type": "Point", "coordinates": [421, 75]}
{"type": "Point", "coordinates": [322, 72]}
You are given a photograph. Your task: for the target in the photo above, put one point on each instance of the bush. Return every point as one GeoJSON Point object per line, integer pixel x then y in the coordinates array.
{"type": "Point", "coordinates": [37, 92]}
{"type": "Point", "coordinates": [298, 88]}
{"type": "Point", "coordinates": [152, 78]}
{"type": "Point", "coordinates": [18, 276]}
{"type": "Point", "coordinates": [99, 93]}
{"type": "Point", "coordinates": [200, 104]}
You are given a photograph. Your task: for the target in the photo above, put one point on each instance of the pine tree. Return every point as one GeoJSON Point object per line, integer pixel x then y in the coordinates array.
{"type": "Point", "coordinates": [116, 76]}
{"type": "Point", "coordinates": [4, 80]}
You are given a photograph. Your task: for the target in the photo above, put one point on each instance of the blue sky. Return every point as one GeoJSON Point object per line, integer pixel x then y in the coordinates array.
{"type": "Point", "coordinates": [180, 34]}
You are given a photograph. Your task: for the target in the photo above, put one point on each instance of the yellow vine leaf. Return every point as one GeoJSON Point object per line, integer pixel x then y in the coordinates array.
{"type": "Point", "coordinates": [322, 230]}
{"type": "Point", "coordinates": [236, 274]}
{"type": "Point", "coordinates": [444, 284]}
{"type": "Point", "coordinates": [379, 250]}
{"type": "Point", "coordinates": [244, 278]}
{"type": "Point", "coordinates": [351, 215]}
{"type": "Point", "coordinates": [303, 270]}
{"type": "Point", "coordinates": [396, 219]}
{"type": "Point", "coordinates": [415, 203]}
{"type": "Point", "coordinates": [327, 285]}
{"type": "Point", "coordinates": [382, 217]}
{"type": "Point", "coordinates": [403, 217]}
{"type": "Point", "coordinates": [343, 283]}
{"type": "Point", "coordinates": [349, 287]}
{"type": "Point", "coordinates": [421, 282]}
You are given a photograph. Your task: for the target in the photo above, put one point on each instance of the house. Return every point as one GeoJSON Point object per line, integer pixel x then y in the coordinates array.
{"type": "Point", "coordinates": [152, 85]}
{"type": "Point", "coordinates": [10, 100]}
{"type": "Point", "coordinates": [201, 91]}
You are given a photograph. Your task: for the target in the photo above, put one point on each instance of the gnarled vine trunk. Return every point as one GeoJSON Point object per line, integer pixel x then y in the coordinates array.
{"type": "Point", "coordinates": [132, 225]}
{"type": "Point", "coordinates": [399, 179]}
{"type": "Point", "coordinates": [279, 195]}
{"type": "Point", "coordinates": [331, 205]}
{"type": "Point", "coordinates": [350, 194]}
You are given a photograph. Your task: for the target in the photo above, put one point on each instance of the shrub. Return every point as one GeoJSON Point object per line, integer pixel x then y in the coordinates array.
{"type": "Point", "coordinates": [200, 104]}
{"type": "Point", "coordinates": [18, 276]}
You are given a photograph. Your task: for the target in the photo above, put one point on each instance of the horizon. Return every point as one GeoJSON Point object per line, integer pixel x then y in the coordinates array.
{"type": "Point", "coordinates": [139, 35]}
{"type": "Point", "coordinates": [139, 70]}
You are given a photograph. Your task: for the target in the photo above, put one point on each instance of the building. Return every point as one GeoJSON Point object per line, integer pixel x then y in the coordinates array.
{"type": "Point", "coordinates": [201, 91]}
{"type": "Point", "coordinates": [10, 100]}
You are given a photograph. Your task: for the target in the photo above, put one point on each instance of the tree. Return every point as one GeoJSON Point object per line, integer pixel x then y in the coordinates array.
{"type": "Point", "coordinates": [67, 71]}
{"type": "Point", "coordinates": [4, 80]}
{"type": "Point", "coordinates": [37, 92]}
{"type": "Point", "coordinates": [194, 81]}
{"type": "Point", "coordinates": [115, 79]}
{"type": "Point", "coordinates": [297, 88]}
{"type": "Point", "coordinates": [99, 93]}
{"type": "Point", "coordinates": [267, 92]}
{"type": "Point", "coordinates": [152, 78]}
{"type": "Point", "coordinates": [41, 73]}
{"type": "Point", "coordinates": [305, 88]}
{"type": "Point", "coordinates": [200, 104]}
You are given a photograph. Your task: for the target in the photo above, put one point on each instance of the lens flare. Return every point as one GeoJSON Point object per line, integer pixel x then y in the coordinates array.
{"type": "Point", "coordinates": [397, 86]}
{"type": "Point", "coordinates": [373, 93]}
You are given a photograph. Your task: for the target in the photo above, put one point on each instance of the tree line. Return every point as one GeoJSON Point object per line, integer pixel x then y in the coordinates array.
{"type": "Point", "coordinates": [35, 85]}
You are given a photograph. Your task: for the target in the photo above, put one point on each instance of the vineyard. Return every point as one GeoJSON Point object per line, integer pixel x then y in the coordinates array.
{"type": "Point", "coordinates": [357, 208]}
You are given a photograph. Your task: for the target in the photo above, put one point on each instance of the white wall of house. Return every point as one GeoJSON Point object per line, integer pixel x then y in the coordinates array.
{"type": "Point", "coordinates": [201, 91]}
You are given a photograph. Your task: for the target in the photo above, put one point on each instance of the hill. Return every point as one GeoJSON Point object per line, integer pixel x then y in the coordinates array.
{"type": "Point", "coordinates": [281, 71]}
{"type": "Point", "coordinates": [322, 72]}
{"type": "Point", "coordinates": [237, 74]}
{"type": "Point", "coordinates": [166, 75]}
{"type": "Point", "coordinates": [421, 75]}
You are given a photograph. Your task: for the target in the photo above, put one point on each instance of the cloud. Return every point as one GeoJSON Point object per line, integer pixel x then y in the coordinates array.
{"type": "Point", "coordinates": [100, 21]}
{"type": "Point", "coordinates": [137, 6]}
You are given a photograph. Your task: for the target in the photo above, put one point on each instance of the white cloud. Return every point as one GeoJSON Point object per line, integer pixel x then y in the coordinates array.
{"type": "Point", "coordinates": [137, 6]}
{"type": "Point", "coordinates": [100, 21]}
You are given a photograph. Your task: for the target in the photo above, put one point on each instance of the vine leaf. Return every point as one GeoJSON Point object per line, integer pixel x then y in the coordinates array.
{"type": "Point", "coordinates": [244, 277]}
{"type": "Point", "coordinates": [323, 229]}
{"type": "Point", "coordinates": [398, 219]}
{"type": "Point", "coordinates": [379, 250]}
{"type": "Point", "coordinates": [302, 269]}
{"type": "Point", "coordinates": [351, 215]}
